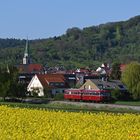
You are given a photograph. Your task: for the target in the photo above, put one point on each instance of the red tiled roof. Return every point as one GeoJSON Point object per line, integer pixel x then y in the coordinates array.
{"type": "Point", "coordinates": [45, 79]}
{"type": "Point", "coordinates": [30, 68]}
{"type": "Point", "coordinates": [35, 67]}
{"type": "Point", "coordinates": [70, 72]}
{"type": "Point", "coordinates": [122, 67]}
{"type": "Point", "coordinates": [84, 70]}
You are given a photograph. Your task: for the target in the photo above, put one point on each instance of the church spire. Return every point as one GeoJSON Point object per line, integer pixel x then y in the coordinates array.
{"type": "Point", "coordinates": [26, 48]}
{"type": "Point", "coordinates": [26, 59]}
{"type": "Point", "coordinates": [8, 71]}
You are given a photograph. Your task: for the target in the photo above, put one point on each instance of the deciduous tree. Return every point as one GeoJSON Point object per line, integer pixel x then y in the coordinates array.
{"type": "Point", "coordinates": [131, 77]}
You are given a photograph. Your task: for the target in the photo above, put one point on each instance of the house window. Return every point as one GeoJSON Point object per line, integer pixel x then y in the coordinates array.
{"type": "Point", "coordinates": [56, 84]}
{"type": "Point", "coordinates": [51, 84]}
{"type": "Point", "coordinates": [62, 84]}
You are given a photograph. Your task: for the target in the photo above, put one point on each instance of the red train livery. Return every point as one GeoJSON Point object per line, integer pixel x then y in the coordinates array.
{"type": "Point", "coordinates": [87, 95]}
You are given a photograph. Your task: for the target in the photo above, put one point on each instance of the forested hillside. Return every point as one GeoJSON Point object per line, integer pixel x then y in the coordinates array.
{"type": "Point", "coordinates": [118, 41]}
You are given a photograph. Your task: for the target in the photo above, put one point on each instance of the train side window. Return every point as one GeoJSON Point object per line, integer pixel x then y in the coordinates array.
{"type": "Point", "coordinates": [102, 93]}
{"type": "Point", "coordinates": [95, 93]}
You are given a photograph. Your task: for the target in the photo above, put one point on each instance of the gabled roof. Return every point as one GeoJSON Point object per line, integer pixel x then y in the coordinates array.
{"type": "Point", "coordinates": [30, 68]}
{"type": "Point", "coordinates": [112, 84]}
{"type": "Point", "coordinates": [34, 67]}
{"type": "Point", "coordinates": [45, 79]}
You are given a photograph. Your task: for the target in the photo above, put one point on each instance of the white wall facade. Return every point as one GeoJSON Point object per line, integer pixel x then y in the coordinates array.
{"type": "Point", "coordinates": [35, 84]}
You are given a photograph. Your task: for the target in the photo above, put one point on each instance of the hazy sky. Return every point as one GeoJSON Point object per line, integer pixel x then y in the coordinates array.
{"type": "Point", "coordinates": [48, 18]}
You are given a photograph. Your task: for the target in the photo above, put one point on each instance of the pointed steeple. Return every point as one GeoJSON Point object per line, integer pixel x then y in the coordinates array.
{"type": "Point", "coordinates": [8, 71]}
{"type": "Point", "coordinates": [26, 58]}
{"type": "Point", "coordinates": [26, 49]}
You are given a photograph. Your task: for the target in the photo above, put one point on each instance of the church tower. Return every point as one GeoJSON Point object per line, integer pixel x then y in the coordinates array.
{"type": "Point", "coordinates": [26, 58]}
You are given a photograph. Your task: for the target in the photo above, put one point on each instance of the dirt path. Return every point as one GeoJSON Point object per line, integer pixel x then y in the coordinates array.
{"type": "Point", "coordinates": [99, 105]}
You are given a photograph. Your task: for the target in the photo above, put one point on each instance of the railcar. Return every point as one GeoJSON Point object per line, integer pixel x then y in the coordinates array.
{"type": "Point", "coordinates": [87, 95]}
{"type": "Point", "coordinates": [74, 94]}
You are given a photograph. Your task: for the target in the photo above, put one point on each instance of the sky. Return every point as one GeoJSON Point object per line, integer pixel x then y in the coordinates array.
{"type": "Point", "coordinates": [39, 19]}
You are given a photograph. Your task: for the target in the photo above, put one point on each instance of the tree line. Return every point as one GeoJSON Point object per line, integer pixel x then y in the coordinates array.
{"type": "Point", "coordinates": [90, 46]}
{"type": "Point", "coordinates": [9, 83]}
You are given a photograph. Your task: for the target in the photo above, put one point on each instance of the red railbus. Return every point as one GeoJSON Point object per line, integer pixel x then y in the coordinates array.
{"type": "Point", "coordinates": [87, 95]}
{"type": "Point", "coordinates": [73, 94]}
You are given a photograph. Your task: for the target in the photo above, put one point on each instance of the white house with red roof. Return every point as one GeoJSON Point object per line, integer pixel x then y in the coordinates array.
{"type": "Point", "coordinates": [55, 83]}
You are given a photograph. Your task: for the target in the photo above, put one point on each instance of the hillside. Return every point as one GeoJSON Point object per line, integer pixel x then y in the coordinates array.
{"type": "Point", "coordinates": [118, 41]}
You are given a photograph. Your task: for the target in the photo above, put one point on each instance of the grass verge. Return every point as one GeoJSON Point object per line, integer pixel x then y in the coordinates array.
{"type": "Point", "coordinates": [69, 107]}
{"type": "Point", "coordinates": [132, 103]}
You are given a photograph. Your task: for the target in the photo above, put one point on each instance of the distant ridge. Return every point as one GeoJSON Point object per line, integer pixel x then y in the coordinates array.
{"type": "Point", "coordinates": [110, 42]}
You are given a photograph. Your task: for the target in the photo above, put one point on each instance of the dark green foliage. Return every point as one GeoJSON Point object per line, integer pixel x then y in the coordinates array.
{"type": "Point", "coordinates": [47, 92]}
{"type": "Point", "coordinates": [59, 96]}
{"type": "Point", "coordinates": [78, 85]}
{"type": "Point", "coordinates": [115, 94]}
{"type": "Point", "coordinates": [80, 47]}
{"type": "Point", "coordinates": [116, 73]}
{"type": "Point", "coordinates": [21, 90]}
{"type": "Point", "coordinates": [9, 86]}
{"type": "Point", "coordinates": [5, 82]}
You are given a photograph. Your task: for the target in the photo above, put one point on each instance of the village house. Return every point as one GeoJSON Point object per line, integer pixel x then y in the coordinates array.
{"type": "Point", "coordinates": [57, 79]}
{"type": "Point", "coordinates": [102, 84]}
{"type": "Point", "coordinates": [53, 83]}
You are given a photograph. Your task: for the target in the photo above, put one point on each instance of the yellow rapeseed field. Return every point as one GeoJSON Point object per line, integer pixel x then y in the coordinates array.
{"type": "Point", "coordinates": [31, 124]}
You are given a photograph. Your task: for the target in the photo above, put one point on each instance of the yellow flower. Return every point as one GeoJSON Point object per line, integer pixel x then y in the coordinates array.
{"type": "Point", "coordinates": [27, 124]}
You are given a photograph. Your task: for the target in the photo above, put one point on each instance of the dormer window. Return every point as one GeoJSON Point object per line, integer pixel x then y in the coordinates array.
{"type": "Point", "coordinates": [51, 84]}
{"type": "Point", "coordinates": [56, 84]}
{"type": "Point", "coordinates": [62, 84]}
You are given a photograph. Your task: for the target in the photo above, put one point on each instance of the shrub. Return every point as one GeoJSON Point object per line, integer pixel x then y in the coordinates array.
{"type": "Point", "coordinates": [115, 94]}
{"type": "Point", "coordinates": [59, 96]}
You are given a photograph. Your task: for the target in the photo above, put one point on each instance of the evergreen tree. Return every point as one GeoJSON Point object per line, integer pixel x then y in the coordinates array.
{"type": "Point", "coordinates": [116, 73]}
